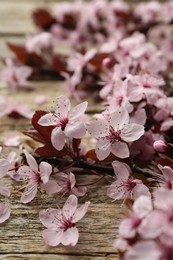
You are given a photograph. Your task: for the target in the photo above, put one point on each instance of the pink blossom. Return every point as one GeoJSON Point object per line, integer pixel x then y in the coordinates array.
{"type": "Point", "coordinates": [114, 133]}
{"type": "Point", "coordinates": [67, 123]}
{"type": "Point", "coordinates": [38, 176]}
{"type": "Point", "coordinates": [10, 108]}
{"type": "Point", "coordinates": [12, 138]}
{"type": "Point", "coordinates": [16, 76]}
{"type": "Point", "coordinates": [143, 250]}
{"type": "Point", "coordinates": [130, 226]}
{"type": "Point", "coordinates": [69, 185]}
{"type": "Point", "coordinates": [41, 41]}
{"type": "Point", "coordinates": [125, 186]}
{"type": "Point", "coordinates": [61, 224]}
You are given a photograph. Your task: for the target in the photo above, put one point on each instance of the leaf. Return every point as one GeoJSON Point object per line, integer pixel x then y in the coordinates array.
{"type": "Point", "coordinates": [49, 151]}
{"type": "Point", "coordinates": [30, 59]}
{"type": "Point", "coordinates": [44, 131]}
{"type": "Point", "coordinates": [42, 18]}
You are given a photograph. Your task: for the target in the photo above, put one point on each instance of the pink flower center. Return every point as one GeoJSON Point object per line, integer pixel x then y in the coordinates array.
{"type": "Point", "coordinates": [130, 185]}
{"type": "Point", "coordinates": [63, 122]}
{"type": "Point", "coordinates": [37, 178]}
{"type": "Point", "coordinates": [136, 222]}
{"type": "Point", "coordinates": [120, 100]}
{"type": "Point", "coordinates": [114, 135]}
{"type": "Point", "coordinates": [66, 223]}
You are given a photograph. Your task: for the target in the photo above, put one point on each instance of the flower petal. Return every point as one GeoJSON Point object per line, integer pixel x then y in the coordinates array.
{"type": "Point", "coordinates": [47, 217]}
{"type": "Point", "coordinates": [48, 119]}
{"type": "Point", "coordinates": [4, 190]}
{"type": "Point", "coordinates": [31, 161]}
{"type": "Point", "coordinates": [76, 130]}
{"type": "Point", "coordinates": [63, 106]}
{"type": "Point", "coordinates": [120, 149]}
{"type": "Point", "coordinates": [29, 193]}
{"type": "Point", "coordinates": [98, 128]}
{"type": "Point", "coordinates": [70, 206]}
{"type": "Point", "coordinates": [119, 118]}
{"type": "Point", "coordinates": [51, 187]}
{"type": "Point", "coordinates": [132, 132]}
{"type": "Point", "coordinates": [52, 237]}
{"type": "Point", "coordinates": [70, 237]}
{"type": "Point", "coordinates": [78, 111]}
{"type": "Point", "coordinates": [122, 171]}
{"type": "Point", "coordinates": [103, 149]}
{"type": "Point", "coordinates": [45, 171]}
{"type": "Point", "coordinates": [58, 138]}
{"type": "Point", "coordinates": [80, 212]}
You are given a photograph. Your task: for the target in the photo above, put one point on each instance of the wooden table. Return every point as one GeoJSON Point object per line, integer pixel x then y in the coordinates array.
{"type": "Point", "coordinates": [20, 237]}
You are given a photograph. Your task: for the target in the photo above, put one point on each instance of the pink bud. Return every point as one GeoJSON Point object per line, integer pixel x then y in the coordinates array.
{"type": "Point", "coordinates": [160, 146]}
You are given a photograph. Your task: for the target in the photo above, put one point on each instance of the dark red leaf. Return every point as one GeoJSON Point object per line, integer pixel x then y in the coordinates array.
{"type": "Point", "coordinates": [42, 18]}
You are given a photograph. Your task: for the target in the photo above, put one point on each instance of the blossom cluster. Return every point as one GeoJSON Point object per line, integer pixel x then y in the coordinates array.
{"type": "Point", "coordinates": [119, 55]}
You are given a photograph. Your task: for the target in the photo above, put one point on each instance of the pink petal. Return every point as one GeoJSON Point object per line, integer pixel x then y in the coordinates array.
{"type": "Point", "coordinates": [25, 171]}
{"type": "Point", "coordinates": [80, 212]}
{"type": "Point", "coordinates": [70, 237]}
{"type": "Point", "coordinates": [51, 187]}
{"type": "Point", "coordinates": [48, 119]}
{"type": "Point", "coordinates": [117, 190]}
{"type": "Point", "coordinates": [103, 149]}
{"type": "Point", "coordinates": [4, 212]}
{"type": "Point", "coordinates": [58, 138]}
{"type": "Point", "coordinates": [52, 237]}
{"type": "Point", "coordinates": [167, 172]}
{"type": "Point", "coordinates": [98, 128]}
{"type": "Point", "coordinates": [70, 206]}
{"type": "Point", "coordinates": [4, 190]}
{"type": "Point", "coordinates": [45, 171]}
{"type": "Point", "coordinates": [76, 130]}
{"type": "Point", "coordinates": [40, 100]}
{"type": "Point", "coordinates": [29, 193]}
{"type": "Point", "coordinates": [31, 161]}
{"type": "Point", "coordinates": [120, 149]}
{"type": "Point", "coordinates": [119, 118]}
{"type": "Point", "coordinates": [79, 191]}
{"type": "Point", "coordinates": [141, 189]}
{"type": "Point", "coordinates": [132, 132]}
{"type": "Point", "coordinates": [78, 111]}
{"type": "Point", "coordinates": [121, 170]}
{"type": "Point", "coordinates": [142, 206]}
{"type": "Point", "coordinates": [47, 217]}
{"type": "Point", "coordinates": [143, 250]}
{"type": "Point", "coordinates": [126, 229]}
{"type": "Point", "coordinates": [63, 106]}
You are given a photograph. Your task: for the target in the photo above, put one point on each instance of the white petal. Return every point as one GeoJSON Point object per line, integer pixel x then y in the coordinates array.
{"type": "Point", "coordinates": [29, 193]}
{"type": "Point", "coordinates": [132, 132]}
{"type": "Point", "coordinates": [52, 237]}
{"type": "Point", "coordinates": [70, 237]}
{"type": "Point", "coordinates": [119, 118]}
{"type": "Point", "coordinates": [76, 130]}
{"type": "Point", "coordinates": [48, 119]}
{"type": "Point", "coordinates": [120, 149]}
{"type": "Point", "coordinates": [31, 161]}
{"type": "Point", "coordinates": [70, 206]}
{"type": "Point", "coordinates": [103, 149]}
{"type": "Point", "coordinates": [58, 138]}
{"type": "Point", "coordinates": [78, 111]}
{"type": "Point", "coordinates": [45, 171]}
{"type": "Point", "coordinates": [80, 212]}
{"type": "Point", "coordinates": [98, 128]}
{"type": "Point", "coordinates": [63, 106]}
{"type": "Point", "coordinates": [47, 217]}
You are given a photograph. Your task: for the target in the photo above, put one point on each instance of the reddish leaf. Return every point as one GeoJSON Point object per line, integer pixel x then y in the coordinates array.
{"type": "Point", "coordinates": [59, 64]}
{"type": "Point", "coordinates": [42, 18]}
{"type": "Point", "coordinates": [30, 59]}
{"type": "Point", "coordinates": [165, 162]}
{"type": "Point", "coordinates": [49, 151]}
{"type": "Point", "coordinates": [91, 154]}
{"type": "Point", "coordinates": [44, 131]}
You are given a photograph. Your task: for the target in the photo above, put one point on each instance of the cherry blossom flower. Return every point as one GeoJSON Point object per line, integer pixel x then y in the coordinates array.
{"type": "Point", "coordinates": [38, 176]}
{"type": "Point", "coordinates": [67, 123]}
{"type": "Point", "coordinates": [68, 184]}
{"type": "Point", "coordinates": [61, 224]}
{"type": "Point", "coordinates": [125, 186]}
{"type": "Point", "coordinates": [114, 133]}
{"type": "Point", "coordinates": [10, 108]}
{"type": "Point", "coordinates": [16, 76]}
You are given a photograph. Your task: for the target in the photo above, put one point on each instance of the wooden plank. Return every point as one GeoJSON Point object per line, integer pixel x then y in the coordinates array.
{"type": "Point", "coordinates": [53, 257]}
